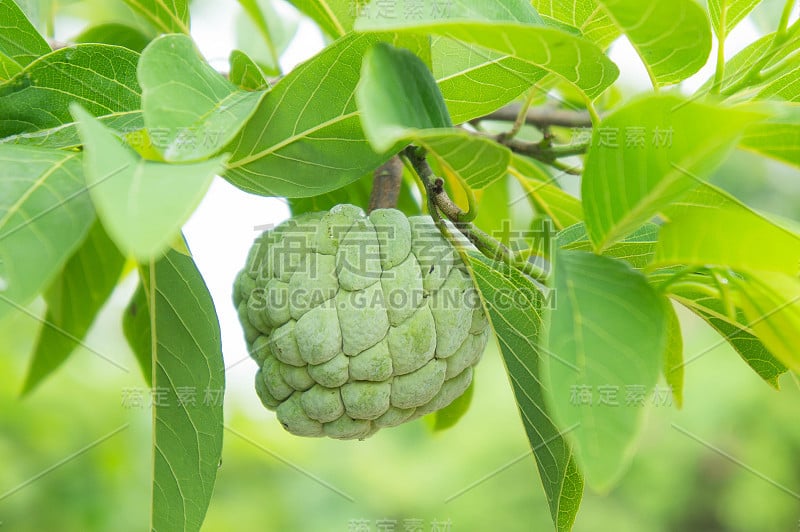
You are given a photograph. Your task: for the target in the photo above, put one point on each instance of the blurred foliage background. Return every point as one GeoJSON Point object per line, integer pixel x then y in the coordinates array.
{"type": "Point", "coordinates": [75, 455]}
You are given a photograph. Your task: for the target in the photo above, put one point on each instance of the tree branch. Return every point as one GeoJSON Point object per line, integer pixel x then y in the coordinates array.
{"type": "Point", "coordinates": [541, 117]}
{"type": "Point", "coordinates": [386, 185]}
{"type": "Point", "coordinates": [439, 201]}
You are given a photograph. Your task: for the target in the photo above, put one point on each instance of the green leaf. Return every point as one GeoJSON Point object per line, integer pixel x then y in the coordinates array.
{"type": "Point", "coordinates": [397, 95]}
{"type": "Point", "coordinates": [245, 73]}
{"type": "Point", "coordinates": [514, 305]}
{"type": "Point", "coordinates": [520, 33]}
{"type": "Point", "coordinates": [116, 34]}
{"type": "Point", "coordinates": [100, 77]}
{"type": "Point", "coordinates": [305, 137]}
{"type": "Point", "coordinates": [737, 69]}
{"type": "Point", "coordinates": [771, 303]}
{"type": "Point", "coordinates": [673, 354]}
{"type": "Point", "coordinates": [734, 329]}
{"type": "Point", "coordinates": [194, 109]}
{"type": "Point", "coordinates": [733, 235]}
{"type": "Point", "coordinates": [448, 416]}
{"type": "Point", "coordinates": [475, 81]}
{"type": "Point", "coordinates": [778, 137]}
{"type": "Point", "coordinates": [334, 17]}
{"type": "Point", "coordinates": [264, 33]}
{"type": "Point", "coordinates": [8, 67]}
{"type": "Point", "coordinates": [45, 214]}
{"type": "Point", "coordinates": [19, 40]}
{"type": "Point", "coordinates": [588, 16]}
{"type": "Point", "coordinates": [726, 14]}
{"type": "Point", "coordinates": [648, 153]}
{"type": "Point", "coordinates": [672, 38]}
{"type": "Point", "coordinates": [166, 16]}
{"type": "Point", "coordinates": [136, 327]}
{"type": "Point", "coordinates": [142, 204]}
{"type": "Point", "coordinates": [189, 386]}
{"type": "Point", "coordinates": [544, 193]}
{"type": "Point", "coordinates": [400, 103]}
{"type": "Point", "coordinates": [73, 301]}
{"type": "Point", "coordinates": [607, 337]}
{"type": "Point", "coordinates": [784, 82]}
{"type": "Point", "coordinates": [637, 248]}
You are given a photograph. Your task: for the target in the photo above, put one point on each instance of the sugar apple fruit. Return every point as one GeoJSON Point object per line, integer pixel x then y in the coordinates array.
{"type": "Point", "coordinates": [358, 322]}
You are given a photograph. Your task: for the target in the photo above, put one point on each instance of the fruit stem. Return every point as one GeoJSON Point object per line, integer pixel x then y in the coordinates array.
{"type": "Point", "coordinates": [386, 185]}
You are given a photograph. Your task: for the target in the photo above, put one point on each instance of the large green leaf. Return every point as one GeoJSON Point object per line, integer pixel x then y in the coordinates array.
{"type": "Point", "coordinates": [771, 303]}
{"type": "Point", "coordinates": [661, 147]}
{"type": "Point", "coordinates": [400, 103]}
{"type": "Point", "coordinates": [34, 105]}
{"type": "Point", "coordinates": [305, 137]}
{"type": "Point", "coordinates": [333, 16]}
{"type": "Point", "coordinates": [19, 40]}
{"type": "Point", "coordinates": [514, 305]}
{"type": "Point", "coordinates": [166, 16]}
{"type": "Point", "coordinates": [778, 138]}
{"type": "Point", "coordinates": [588, 16]}
{"type": "Point", "coordinates": [726, 14]}
{"type": "Point", "coordinates": [515, 30]}
{"type": "Point", "coordinates": [732, 236]}
{"type": "Point", "coordinates": [637, 248]}
{"type": "Point", "coordinates": [142, 204]}
{"type": "Point", "coordinates": [189, 383]}
{"type": "Point", "coordinates": [734, 329]}
{"type": "Point", "coordinates": [45, 214]}
{"type": "Point", "coordinates": [73, 301]}
{"type": "Point", "coordinates": [672, 38]}
{"type": "Point", "coordinates": [136, 328]}
{"type": "Point", "coordinates": [544, 193]}
{"type": "Point", "coordinates": [608, 334]}
{"type": "Point", "coordinates": [475, 81]}
{"type": "Point", "coordinates": [194, 109]}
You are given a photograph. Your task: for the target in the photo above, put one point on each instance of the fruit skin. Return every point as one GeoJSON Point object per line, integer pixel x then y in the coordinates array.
{"type": "Point", "coordinates": [358, 322]}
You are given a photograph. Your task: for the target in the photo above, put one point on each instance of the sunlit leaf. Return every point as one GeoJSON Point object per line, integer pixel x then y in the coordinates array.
{"type": "Point", "coordinates": [517, 32]}
{"type": "Point", "coordinates": [673, 38]}
{"type": "Point", "coordinates": [73, 301]}
{"type": "Point", "coordinates": [726, 14]}
{"type": "Point", "coordinates": [142, 204]}
{"type": "Point", "coordinates": [733, 235]}
{"type": "Point", "coordinates": [543, 191]}
{"type": "Point", "coordinates": [194, 109]}
{"type": "Point", "coordinates": [778, 137]}
{"type": "Point", "coordinates": [189, 387]}
{"type": "Point", "coordinates": [45, 213]}
{"type": "Point", "coordinates": [400, 103]}
{"type": "Point", "coordinates": [672, 367]}
{"type": "Point", "coordinates": [305, 137]}
{"type": "Point", "coordinates": [514, 305]}
{"type": "Point", "coordinates": [334, 17]}
{"type": "Point", "coordinates": [19, 40]}
{"type": "Point", "coordinates": [649, 153]}
{"type": "Point", "coordinates": [136, 327]}
{"type": "Point", "coordinates": [608, 334]}
{"type": "Point", "coordinates": [637, 248]}
{"type": "Point", "coordinates": [588, 16]}
{"type": "Point", "coordinates": [34, 105]}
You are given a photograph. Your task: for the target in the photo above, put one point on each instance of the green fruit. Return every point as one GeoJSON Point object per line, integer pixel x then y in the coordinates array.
{"type": "Point", "coordinates": [358, 322]}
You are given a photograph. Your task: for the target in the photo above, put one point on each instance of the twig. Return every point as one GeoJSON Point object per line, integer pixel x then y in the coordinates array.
{"type": "Point", "coordinates": [439, 201]}
{"type": "Point", "coordinates": [386, 184]}
{"type": "Point", "coordinates": [541, 117]}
